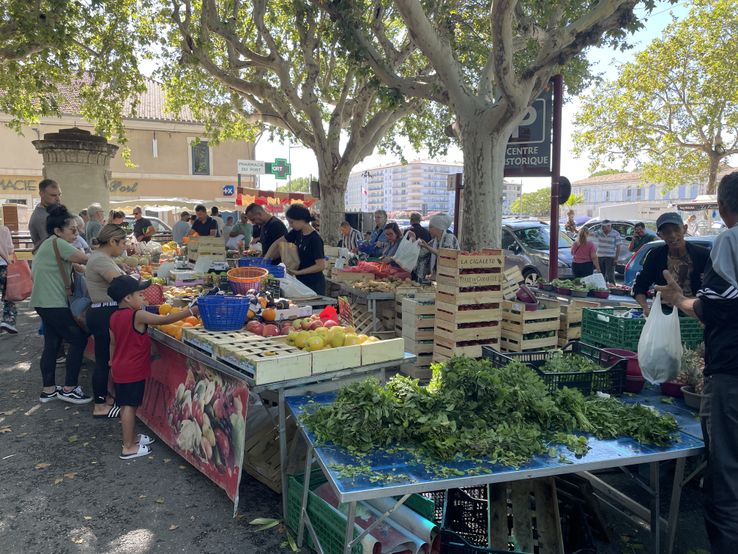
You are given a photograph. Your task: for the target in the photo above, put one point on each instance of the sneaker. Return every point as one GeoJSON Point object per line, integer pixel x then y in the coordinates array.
{"type": "Point", "coordinates": [74, 396]}
{"type": "Point", "coordinates": [45, 397]}
{"type": "Point", "coordinates": [9, 327]}
{"type": "Point", "coordinates": [61, 360]}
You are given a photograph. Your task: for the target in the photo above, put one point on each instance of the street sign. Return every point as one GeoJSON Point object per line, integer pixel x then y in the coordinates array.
{"type": "Point", "coordinates": [280, 168]}
{"type": "Point", "coordinates": [229, 190]}
{"type": "Point", "coordinates": [250, 167]}
{"type": "Point", "coordinates": [529, 148]}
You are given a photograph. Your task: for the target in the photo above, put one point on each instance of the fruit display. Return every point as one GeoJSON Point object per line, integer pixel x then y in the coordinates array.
{"type": "Point", "coordinates": [172, 293]}
{"type": "Point", "coordinates": [388, 284]}
{"type": "Point", "coordinates": [264, 307]}
{"type": "Point", "coordinates": [311, 334]}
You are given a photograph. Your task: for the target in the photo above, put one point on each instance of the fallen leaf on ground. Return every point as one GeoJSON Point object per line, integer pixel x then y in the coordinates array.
{"type": "Point", "coordinates": [5, 430]}
{"type": "Point", "coordinates": [59, 480]}
{"type": "Point", "coordinates": [70, 475]}
{"type": "Point", "coordinates": [8, 456]}
{"type": "Point", "coordinates": [88, 517]}
{"type": "Point", "coordinates": [78, 540]}
{"type": "Point", "coordinates": [173, 527]}
{"type": "Point", "coordinates": [142, 496]}
{"type": "Point", "coordinates": [21, 435]}
{"type": "Point", "coordinates": [42, 465]}
{"type": "Point", "coordinates": [85, 443]}
{"type": "Point", "coordinates": [267, 526]}
{"type": "Point", "coordinates": [262, 521]}
{"type": "Point", "coordinates": [167, 460]}
{"type": "Point", "coordinates": [9, 412]}
{"type": "Point", "coordinates": [182, 467]}
{"type": "Point", "coordinates": [36, 407]}
{"type": "Point", "coordinates": [293, 544]}
{"type": "Point", "coordinates": [160, 500]}
{"type": "Point", "coordinates": [72, 438]}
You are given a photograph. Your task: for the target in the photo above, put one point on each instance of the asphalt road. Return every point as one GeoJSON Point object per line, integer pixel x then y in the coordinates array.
{"type": "Point", "coordinates": [64, 490]}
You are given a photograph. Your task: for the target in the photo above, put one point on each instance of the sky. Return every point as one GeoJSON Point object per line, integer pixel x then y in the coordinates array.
{"type": "Point", "coordinates": [605, 62]}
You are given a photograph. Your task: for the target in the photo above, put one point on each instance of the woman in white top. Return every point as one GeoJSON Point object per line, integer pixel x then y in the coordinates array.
{"type": "Point", "coordinates": [6, 258]}
{"type": "Point", "coordinates": [101, 269]}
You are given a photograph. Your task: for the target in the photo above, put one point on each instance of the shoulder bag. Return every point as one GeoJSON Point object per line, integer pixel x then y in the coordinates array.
{"type": "Point", "coordinates": [76, 287]}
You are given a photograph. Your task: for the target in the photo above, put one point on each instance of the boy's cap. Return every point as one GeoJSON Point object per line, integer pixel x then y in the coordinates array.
{"type": "Point", "coordinates": [122, 286]}
{"type": "Point", "coordinates": [669, 217]}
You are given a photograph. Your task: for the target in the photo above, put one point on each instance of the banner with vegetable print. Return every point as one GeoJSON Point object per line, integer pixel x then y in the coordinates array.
{"type": "Point", "coordinates": [200, 414]}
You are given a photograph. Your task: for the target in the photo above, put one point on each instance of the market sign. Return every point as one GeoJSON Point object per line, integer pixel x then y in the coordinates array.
{"type": "Point", "coordinates": [229, 190]}
{"type": "Point", "coordinates": [251, 167]}
{"type": "Point", "coordinates": [280, 168]}
{"type": "Point", "coordinates": [529, 148]}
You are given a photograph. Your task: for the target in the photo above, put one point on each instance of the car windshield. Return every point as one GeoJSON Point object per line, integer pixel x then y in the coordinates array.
{"type": "Point", "coordinates": [538, 238]}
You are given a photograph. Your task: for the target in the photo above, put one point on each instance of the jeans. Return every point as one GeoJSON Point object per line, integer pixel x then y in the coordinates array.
{"type": "Point", "coordinates": [59, 324]}
{"type": "Point", "coordinates": [720, 406]}
{"type": "Point", "coordinates": [98, 322]}
{"type": "Point", "coordinates": [607, 268]}
{"type": "Point", "coordinates": [582, 269]}
{"type": "Point", "coordinates": [9, 310]}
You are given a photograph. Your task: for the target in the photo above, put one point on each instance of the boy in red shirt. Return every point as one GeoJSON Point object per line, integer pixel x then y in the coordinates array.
{"type": "Point", "coordinates": [130, 360]}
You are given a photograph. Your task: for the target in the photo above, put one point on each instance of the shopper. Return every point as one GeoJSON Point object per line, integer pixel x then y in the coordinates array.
{"type": "Point", "coordinates": [204, 225]}
{"type": "Point", "coordinates": [309, 248]}
{"type": "Point", "coordinates": [418, 230]}
{"type": "Point", "coordinates": [608, 241]}
{"type": "Point", "coordinates": [271, 229]}
{"type": "Point", "coordinates": [84, 214]}
{"type": "Point", "coordinates": [350, 237]}
{"type": "Point", "coordinates": [97, 220]}
{"type": "Point", "coordinates": [377, 240]}
{"type": "Point", "coordinates": [584, 255]}
{"type": "Point", "coordinates": [50, 194]}
{"type": "Point", "coordinates": [6, 258]}
{"type": "Point", "coordinates": [80, 243]}
{"type": "Point", "coordinates": [117, 217]}
{"type": "Point", "coordinates": [685, 261]}
{"type": "Point", "coordinates": [571, 225]}
{"type": "Point", "coordinates": [215, 214]}
{"type": "Point", "coordinates": [242, 228]}
{"type": "Point", "coordinates": [52, 265]}
{"type": "Point", "coordinates": [227, 228]}
{"type": "Point", "coordinates": [715, 306]}
{"type": "Point", "coordinates": [641, 236]}
{"type": "Point", "coordinates": [143, 230]}
{"type": "Point", "coordinates": [130, 347]}
{"type": "Point", "coordinates": [181, 229]}
{"type": "Point", "coordinates": [441, 237]}
{"type": "Point", "coordinates": [392, 235]}
{"type": "Point", "coordinates": [100, 272]}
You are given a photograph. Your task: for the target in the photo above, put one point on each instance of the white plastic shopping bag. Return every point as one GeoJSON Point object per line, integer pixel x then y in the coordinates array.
{"type": "Point", "coordinates": [660, 346]}
{"type": "Point", "coordinates": [596, 280]}
{"type": "Point", "coordinates": [407, 254]}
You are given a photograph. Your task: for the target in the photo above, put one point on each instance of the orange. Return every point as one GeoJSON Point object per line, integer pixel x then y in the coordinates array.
{"type": "Point", "coordinates": [192, 320]}
{"type": "Point", "coordinates": [165, 309]}
{"type": "Point", "coordinates": [263, 302]}
{"type": "Point", "coordinates": [269, 314]}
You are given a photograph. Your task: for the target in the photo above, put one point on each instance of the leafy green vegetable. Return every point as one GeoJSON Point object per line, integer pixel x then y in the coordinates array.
{"type": "Point", "coordinates": [473, 410]}
{"type": "Point", "coordinates": [566, 363]}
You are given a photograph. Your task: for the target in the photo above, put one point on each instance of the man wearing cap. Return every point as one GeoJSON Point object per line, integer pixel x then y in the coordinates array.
{"type": "Point", "coordinates": [608, 242]}
{"type": "Point", "coordinates": [685, 261]}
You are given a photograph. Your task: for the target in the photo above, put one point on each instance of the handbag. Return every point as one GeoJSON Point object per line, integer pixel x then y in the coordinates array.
{"type": "Point", "coordinates": [18, 281]}
{"type": "Point", "coordinates": [76, 287]}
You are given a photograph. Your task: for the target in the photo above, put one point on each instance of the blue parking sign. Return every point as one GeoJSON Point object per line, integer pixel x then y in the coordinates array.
{"type": "Point", "coordinates": [229, 190]}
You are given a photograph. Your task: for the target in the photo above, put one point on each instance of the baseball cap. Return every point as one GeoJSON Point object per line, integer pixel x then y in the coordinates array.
{"type": "Point", "coordinates": [122, 286]}
{"type": "Point", "coordinates": [669, 217]}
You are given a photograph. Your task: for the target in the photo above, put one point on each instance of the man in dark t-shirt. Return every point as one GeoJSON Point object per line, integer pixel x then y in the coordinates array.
{"type": "Point", "coordinates": [204, 225]}
{"type": "Point", "coordinates": [270, 228]}
{"type": "Point", "coordinates": [415, 226]}
{"type": "Point", "coordinates": [142, 228]}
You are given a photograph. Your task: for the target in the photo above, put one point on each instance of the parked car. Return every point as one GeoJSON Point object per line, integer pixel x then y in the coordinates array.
{"type": "Point", "coordinates": [626, 228]}
{"type": "Point", "coordinates": [526, 244]}
{"type": "Point", "coordinates": [635, 264]}
{"type": "Point", "coordinates": [163, 231]}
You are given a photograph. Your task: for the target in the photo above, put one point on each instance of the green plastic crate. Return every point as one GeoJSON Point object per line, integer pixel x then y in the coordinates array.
{"type": "Point", "coordinates": [607, 328]}
{"type": "Point", "coordinates": [330, 524]}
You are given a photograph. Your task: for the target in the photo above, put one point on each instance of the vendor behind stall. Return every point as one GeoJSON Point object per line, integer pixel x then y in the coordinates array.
{"type": "Point", "coordinates": [441, 237]}
{"type": "Point", "coordinates": [270, 230]}
{"type": "Point", "coordinates": [685, 261]}
{"type": "Point", "coordinates": [309, 248]}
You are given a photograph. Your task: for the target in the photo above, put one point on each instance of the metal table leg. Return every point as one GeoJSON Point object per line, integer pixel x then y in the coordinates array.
{"type": "Point", "coordinates": [283, 450]}
{"type": "Point", "coordinates": [676, 497]}
{"type": "Point", "coordinates": [305, 491]}
{"type": "Point", "coordinates": [655, 507]}
{"type": "Point", "coordinates": [351, 516]}
{"type": "Point", "coordinates": [372, 306]}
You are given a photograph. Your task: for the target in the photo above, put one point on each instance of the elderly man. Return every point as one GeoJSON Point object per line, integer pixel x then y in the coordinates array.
{"type": "Point", "coordinates": [608, 242]}
{"type": "Point", "coordinates": [716, 306]}
{"type": "Point", "coordinates": [350, 237]}
{"type": "Point", "coordinates": [641, 236]}
{"type": "Point", "coordinates": [685, 261]}
{"type": "Point", "coordinates": [50, 194]}
{"type": "Point", "coordinates": [97, 220]}
{"type": "Point", "coordinates": [377, 241]}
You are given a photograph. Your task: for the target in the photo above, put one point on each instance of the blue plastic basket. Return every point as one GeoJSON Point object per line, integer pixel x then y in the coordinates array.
{"type": "Point", "coordinates": [223, 313]}
{"type": "Point", "coordinates": [276, 270]}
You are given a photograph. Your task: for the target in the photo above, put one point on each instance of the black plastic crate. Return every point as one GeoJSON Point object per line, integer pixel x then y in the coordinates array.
{"type": "Point", "coordinates": [466, 514]}
{"type": "Point", "coordinates": [611, 379]}
{"type": "Point", "coordinates": [452, 543]}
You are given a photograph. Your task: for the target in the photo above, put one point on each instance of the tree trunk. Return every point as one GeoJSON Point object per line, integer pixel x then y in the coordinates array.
{"type": "Point", "coordinates": [712, 172]}
{"type": "Point", "coordinates": [484, 166]}
{"type": "Point", "coordinates": [332, 203]}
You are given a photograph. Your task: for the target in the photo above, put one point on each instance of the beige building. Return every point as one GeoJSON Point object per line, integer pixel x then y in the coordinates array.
{"type": "Point", "coordinates": [171, 164]}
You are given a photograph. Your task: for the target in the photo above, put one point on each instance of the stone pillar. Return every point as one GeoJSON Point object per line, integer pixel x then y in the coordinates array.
{"type": "Point", "coordinates": [80, 162]}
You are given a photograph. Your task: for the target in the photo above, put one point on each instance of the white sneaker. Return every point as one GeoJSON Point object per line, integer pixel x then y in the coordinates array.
{"type": "Point", "coordinates": [74, 396]}
{"type": "Point", "coordinates": [9, 328]}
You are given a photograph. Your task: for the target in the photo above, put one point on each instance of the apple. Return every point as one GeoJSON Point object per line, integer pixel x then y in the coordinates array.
{"type": "Point", "coordinates": [330, 323]}
{"type": "Point", "coordinates": [287, 330]}
{"type": "Point", "coordinates": [306, 323]}
{"type": "Point", "coordinates": [337, 337]}
{"type": "Point", "coordinates": [350, 339]}
{"type": "Point", "coordinates": [255, 327]}
{"type": "Point", "coordinates": [314, 343]}
{"type": "Point", "coordinates": [362, 338]}
{"type": "Point", "coordinates": [315, 324]}
{"type": "Point", "coordinates": [271, 330]}
{"type": "Point", "coordinates": [301, 338]}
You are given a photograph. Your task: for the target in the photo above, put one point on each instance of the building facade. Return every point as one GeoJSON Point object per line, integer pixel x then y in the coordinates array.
{"type": "Point", "coordinates": [418, 186]}
{"type": "Point", "coordinates": [173, 160]}
{"type": "Point", "coordinates": [605, 195]}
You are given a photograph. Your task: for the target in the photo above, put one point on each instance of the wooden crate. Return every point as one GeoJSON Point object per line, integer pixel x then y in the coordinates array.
{"type": "Point", "coordinates": [266, 360]}
{"type": "Point", "coordinates": [444, 349]}
{"type": "Point", "coordinates": [336, 359]}
{"type": "Point", "coordinates": [512, 279]}
{"type": "Point", "coordinates": [514, 342]}
{"type": "Point", "coordinates": [417, 318]}
{"type": "Point", "coordinates": [516, 319]}
{"type": "Point", "coordinates": [572, 312]}
{"type": "Point", "coordinates": [421, 373]}
{"type": "Point", "coordinates": [382, 351]}
{"type": "Point", "coordinates": [449, 294]}
{"type": "Point", "coordinates": [489, 258]}
{"type": "Point", "coordinates": [350, 277]}
{"type": "Point", "coordinates": [213, 247]}
{"type": "Point", "coordinates": [454, 333]}
{"type": "Point", "coordinates": [208, 341]}
{"type": "Point", "coordinates": [418, 347]}
{"type": "Point", "coordinates": [488, 312]}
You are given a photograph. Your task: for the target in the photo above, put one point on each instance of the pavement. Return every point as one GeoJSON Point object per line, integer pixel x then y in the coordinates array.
{"type": "Point", "coordinates": [63, 488]}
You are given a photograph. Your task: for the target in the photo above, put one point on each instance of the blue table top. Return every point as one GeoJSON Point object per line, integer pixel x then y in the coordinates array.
{"type": "Point", "coordinates": [688, 419]}
{"type": "Point", "coordinates": [385, 474]}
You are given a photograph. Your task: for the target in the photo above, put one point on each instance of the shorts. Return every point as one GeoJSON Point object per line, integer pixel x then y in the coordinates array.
{"type": "Point", "coordinates": [129, 394]}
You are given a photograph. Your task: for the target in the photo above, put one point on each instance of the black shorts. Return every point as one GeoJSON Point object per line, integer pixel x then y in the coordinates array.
{"type": "Point", "coordinates": [129, 394]}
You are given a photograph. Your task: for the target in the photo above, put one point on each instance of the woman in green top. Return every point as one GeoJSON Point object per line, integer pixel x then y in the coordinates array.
{"type": "Point", "coordinates": [49, 298]}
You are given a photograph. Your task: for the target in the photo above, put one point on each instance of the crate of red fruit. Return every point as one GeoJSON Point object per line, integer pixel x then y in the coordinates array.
{"type": "Point", "coordinates": [577, 365]}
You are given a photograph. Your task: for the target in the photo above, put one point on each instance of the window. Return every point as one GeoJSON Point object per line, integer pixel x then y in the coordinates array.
{"type": "Point", "coordinates": [200, 157]}
{"type": "Point", "coordinates": [507, 239]}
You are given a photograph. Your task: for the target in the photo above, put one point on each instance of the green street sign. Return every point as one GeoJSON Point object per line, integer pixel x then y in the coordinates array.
{"type": "Point", "coordinates": [279, 168]}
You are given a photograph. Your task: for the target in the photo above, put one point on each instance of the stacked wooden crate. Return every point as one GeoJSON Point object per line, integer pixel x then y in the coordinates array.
{"type": "Point", "coordinates": [524, 330]}
{"type": "Point", "coordinates": [418, 324]}
{"type": "Point", "coordinates": [468, 302]}
{"type": "Point", "coordinates": [512, 277]}
{"type": "Point", "coordinates": [570, 321]}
